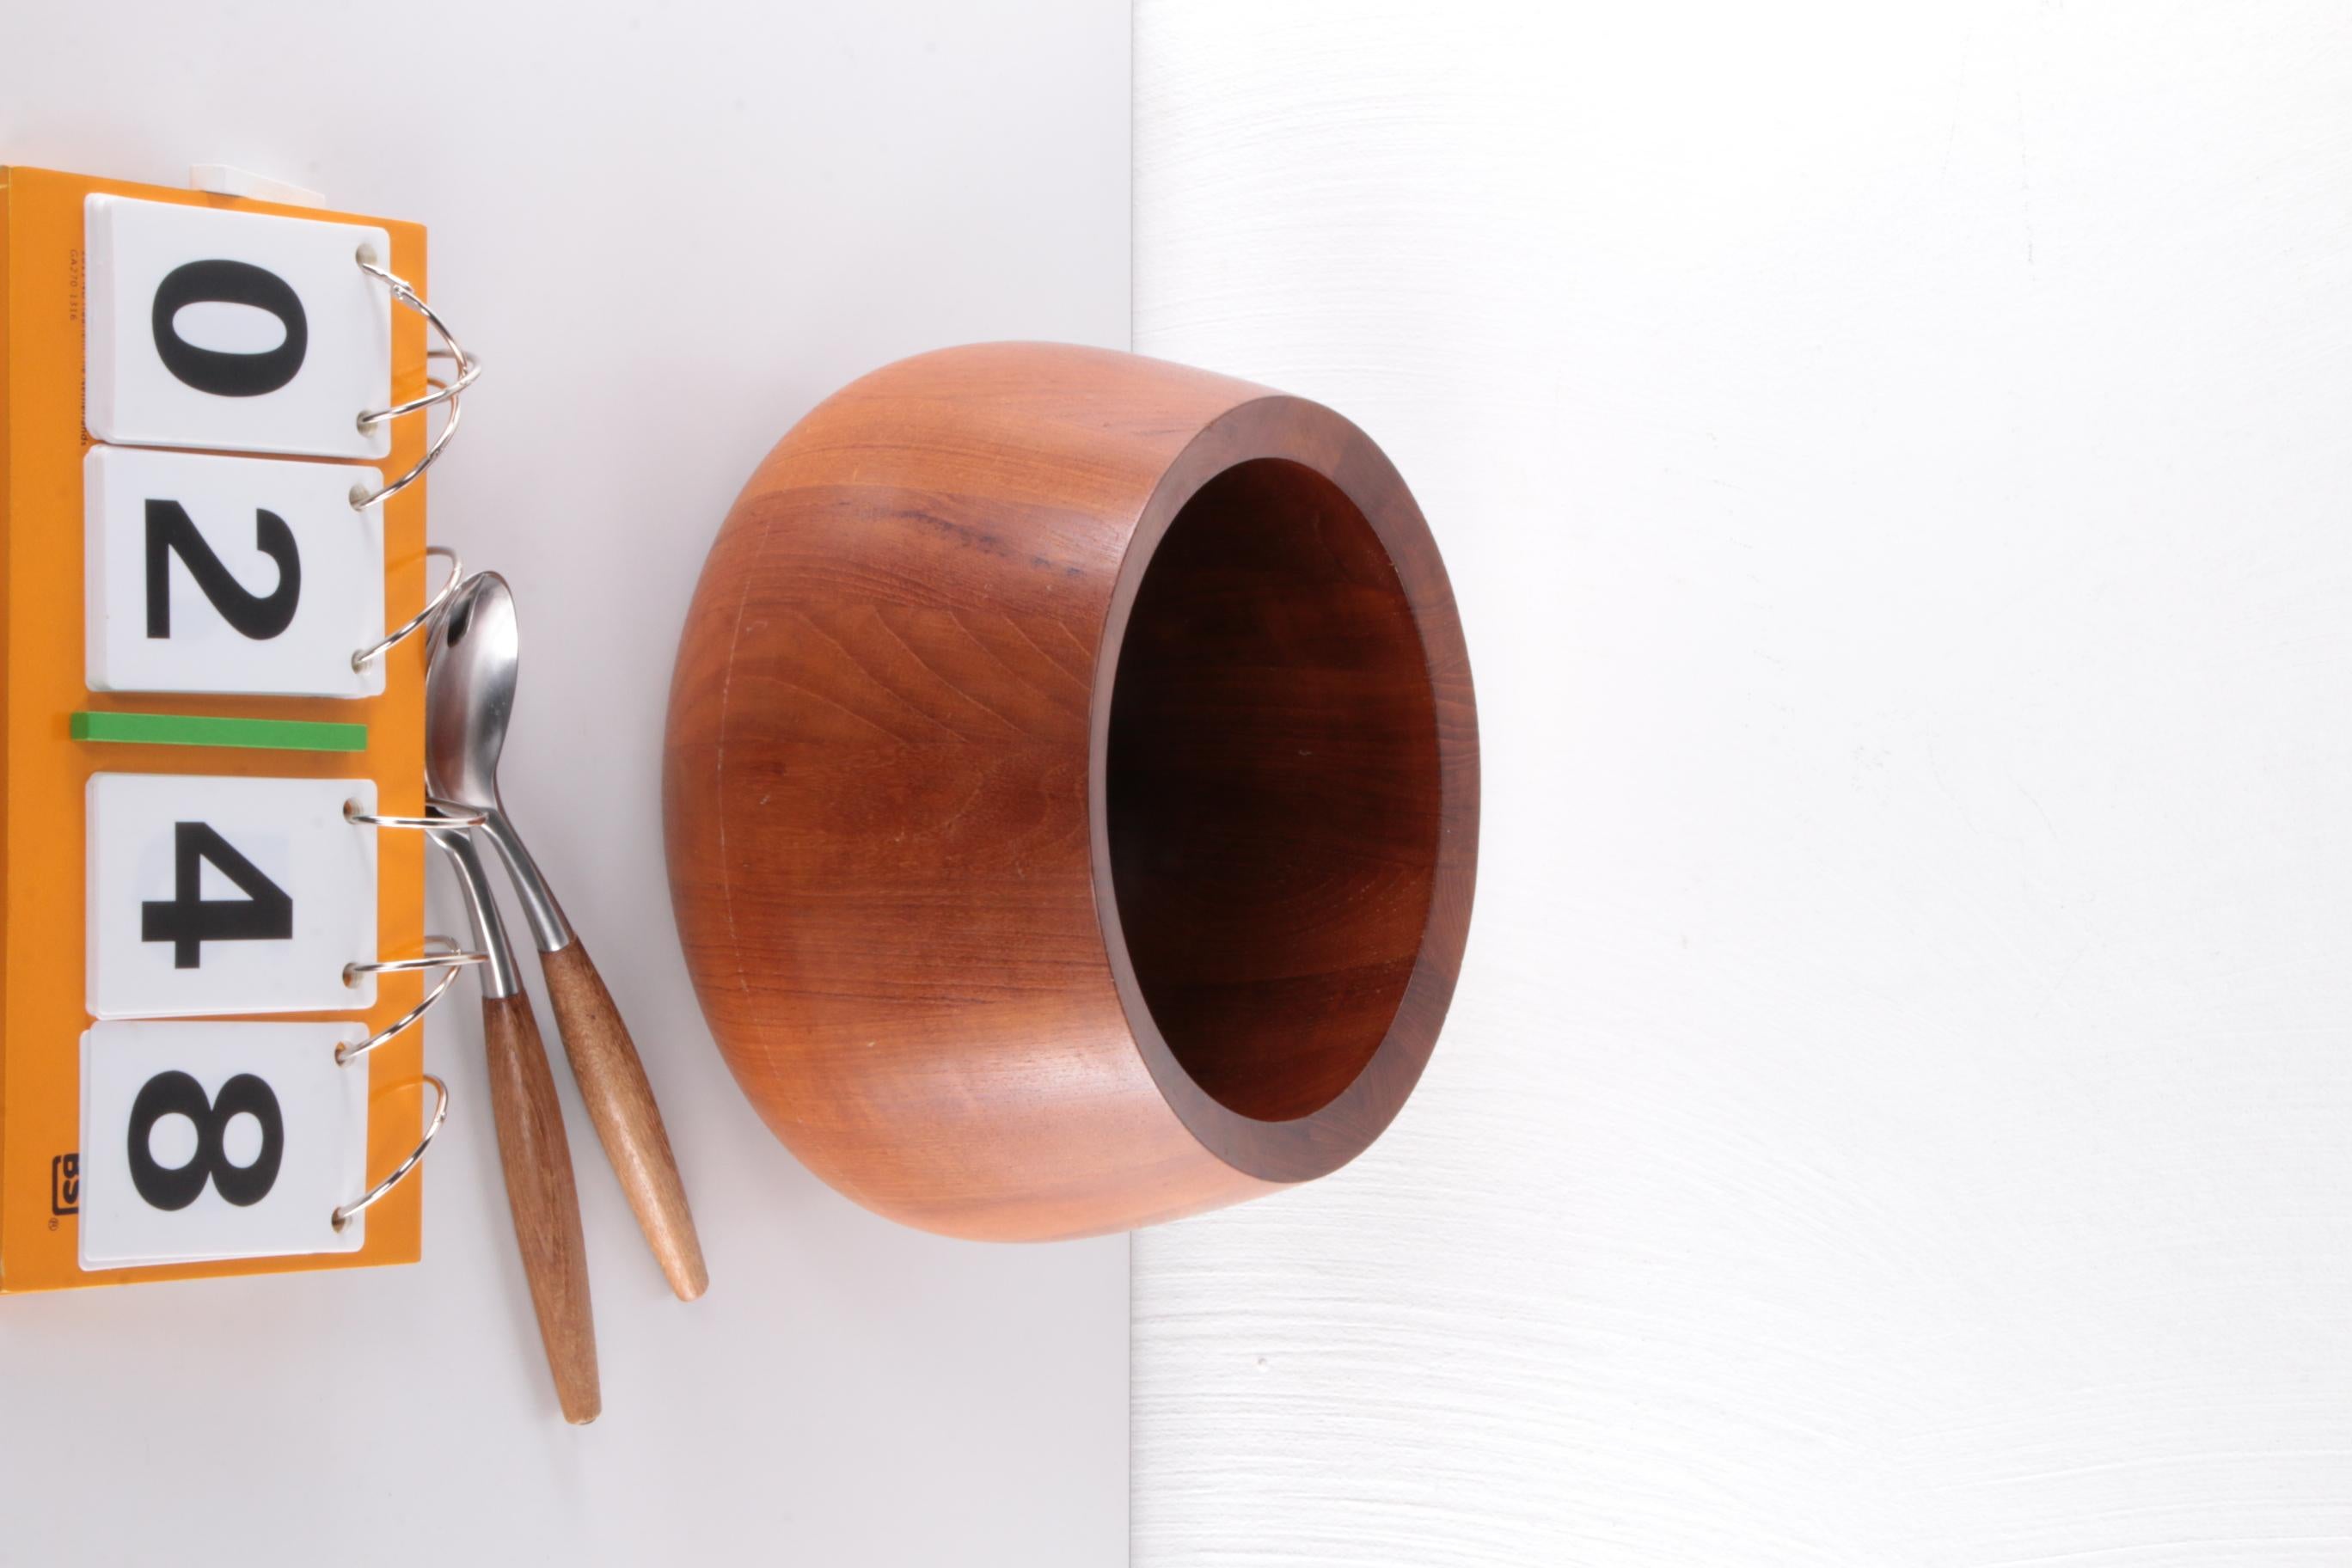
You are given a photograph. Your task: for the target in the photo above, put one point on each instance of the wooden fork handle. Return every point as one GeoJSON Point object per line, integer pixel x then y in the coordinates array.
{"type": "Point", "coordinates": [628, 1123]}
{"type": "Point", "coordinates": [538, 1162]}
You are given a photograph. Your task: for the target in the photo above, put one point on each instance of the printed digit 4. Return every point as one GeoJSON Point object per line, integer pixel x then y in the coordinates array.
{"type": "Point", "coordinates": [188, 919]}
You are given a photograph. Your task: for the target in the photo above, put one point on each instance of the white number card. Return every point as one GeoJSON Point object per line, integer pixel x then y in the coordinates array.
{"type": "Point", "coordinates": [246, 574]}
{"type": "Point", "coordinates": [228, 895]}
{"type": "Point", "coordinates": [211, 1141]}
{"type": "Point", "coordinates": [240, 331]}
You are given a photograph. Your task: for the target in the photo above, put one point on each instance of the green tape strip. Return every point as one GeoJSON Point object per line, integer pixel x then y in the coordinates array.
{"type": "Point", "coordinates": [195, 730]}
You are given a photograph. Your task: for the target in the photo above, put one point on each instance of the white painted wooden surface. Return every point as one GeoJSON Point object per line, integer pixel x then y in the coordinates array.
{"type": "Point", "coordinates": [780, 198]}
{"type": "Point", "coordinates": [1893, 462]}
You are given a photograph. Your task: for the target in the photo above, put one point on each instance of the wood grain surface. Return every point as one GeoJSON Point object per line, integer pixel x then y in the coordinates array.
{"type": "Point", "coordinates": [621, 1106]}
{"type": "Point", "coordinates": [536, 1158]}
{"type": "Point", "coordinates": [1892, 462]}
{"type": "Point", "coordinates": [1072, 790]}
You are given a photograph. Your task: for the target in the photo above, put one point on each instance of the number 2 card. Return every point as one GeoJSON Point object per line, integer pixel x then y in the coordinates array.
{"type": "Point", "coordinates": [228, 895]}
{"type": "Point", "coordinates": [249, 574]}
{"type": "Point", "coordinates": [210, 1140]}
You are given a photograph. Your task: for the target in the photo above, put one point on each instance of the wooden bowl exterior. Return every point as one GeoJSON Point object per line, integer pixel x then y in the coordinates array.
{"type": "Point", "coordinates": [885, 793]}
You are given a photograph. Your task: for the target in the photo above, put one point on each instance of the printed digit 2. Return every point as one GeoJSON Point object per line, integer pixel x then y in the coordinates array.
{"type": "Point", "coordinates": [177, 1094]}
{"type": "Point", "coordinates": [170, 531]}
{"type": "Point", "coordinates": [222, 374]}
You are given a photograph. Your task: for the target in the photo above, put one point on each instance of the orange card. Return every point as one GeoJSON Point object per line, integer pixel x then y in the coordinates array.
{"type": "Point", "coordinates": [55, 730]}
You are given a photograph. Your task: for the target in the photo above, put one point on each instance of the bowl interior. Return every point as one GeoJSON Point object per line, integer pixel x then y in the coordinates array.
{"type": "Point", "coordinates": [1273, 790]}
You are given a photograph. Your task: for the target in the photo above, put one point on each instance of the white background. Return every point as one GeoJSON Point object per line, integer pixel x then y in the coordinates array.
{"type": "Point", "coordinates": [668, 232]}
{"type": "Point", "coordinates": [1893, 462]}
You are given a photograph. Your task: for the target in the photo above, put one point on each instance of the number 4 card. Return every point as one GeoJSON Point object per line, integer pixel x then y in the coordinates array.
{"type": "Point", "coordinates": [228, 895]}
{"type": "Point", "coordinates": [210, 1140]}
{"type": "Point", "coordinates": [249, 574]}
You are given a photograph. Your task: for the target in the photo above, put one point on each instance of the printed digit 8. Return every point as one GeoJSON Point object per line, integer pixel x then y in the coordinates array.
{"type": "Point", "coordinates": [177, 1094]}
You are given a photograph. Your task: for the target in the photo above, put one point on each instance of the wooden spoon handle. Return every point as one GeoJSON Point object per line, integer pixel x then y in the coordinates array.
{"type": "Point", "coordinates": [538, 1162]}
{"type": "Point", "coordinates": [628, 1123]}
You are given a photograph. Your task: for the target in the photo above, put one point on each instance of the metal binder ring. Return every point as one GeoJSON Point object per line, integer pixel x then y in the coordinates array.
{"type": "Point", "coordinates": [466, 817]}
{"type": "Point", "coordinates": [423, 618]}
{"type": "Point", "coordinates": [450, 954]}
{"type": "Point", "coordinates": [347, 1053]}
{"type": "Point", "coordinates": [344, 1215]}
{"type": "Point", "coordinates": [468, 370]}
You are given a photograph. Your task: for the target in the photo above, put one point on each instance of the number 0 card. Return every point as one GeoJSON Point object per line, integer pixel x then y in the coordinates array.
{"type": "Point", "coordinates": [234, 332]}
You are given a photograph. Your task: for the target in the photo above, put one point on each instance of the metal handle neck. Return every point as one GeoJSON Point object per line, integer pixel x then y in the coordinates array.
{"type": "Point", "coordinates": [500, 977]}
{"type": "Point", "coordinates": [548, 930]}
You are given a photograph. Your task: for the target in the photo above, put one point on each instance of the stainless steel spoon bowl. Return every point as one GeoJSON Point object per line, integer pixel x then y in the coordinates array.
{"type": "Point", "coordinates": [469, 691]}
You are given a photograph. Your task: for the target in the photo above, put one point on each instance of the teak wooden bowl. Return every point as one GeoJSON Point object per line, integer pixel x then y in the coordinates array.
{"type": "Point", "coordinates": [1072, 790]}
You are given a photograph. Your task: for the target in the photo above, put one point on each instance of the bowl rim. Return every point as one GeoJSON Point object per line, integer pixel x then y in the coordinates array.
{"type": "Point", "coordinates": [1298, 430]}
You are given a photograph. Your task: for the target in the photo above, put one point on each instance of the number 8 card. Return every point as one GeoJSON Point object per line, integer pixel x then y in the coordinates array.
{"type": "Point", "coordinates": [209, 1141]}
